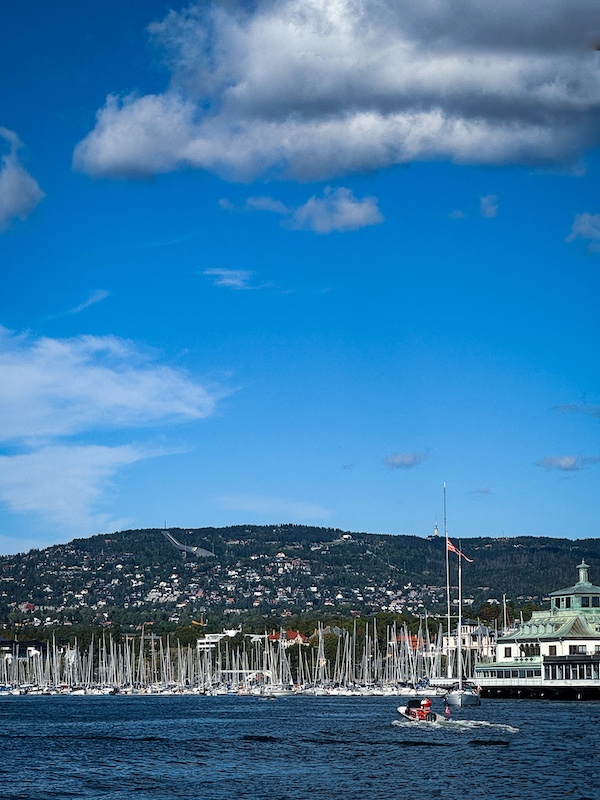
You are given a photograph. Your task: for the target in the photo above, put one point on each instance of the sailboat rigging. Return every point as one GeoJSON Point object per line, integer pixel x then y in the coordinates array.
{"type": "Point", "coordinates": [461, 693]}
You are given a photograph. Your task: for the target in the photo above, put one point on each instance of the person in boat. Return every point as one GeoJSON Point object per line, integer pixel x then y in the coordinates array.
{"type": "Point", "coordinates": [420, 711]}
{"type": "Point", "coordinates": [425, 709]}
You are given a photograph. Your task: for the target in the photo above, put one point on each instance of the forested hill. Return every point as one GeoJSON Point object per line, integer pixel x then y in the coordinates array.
{"type": "Point", "coordinates": [264, 570]}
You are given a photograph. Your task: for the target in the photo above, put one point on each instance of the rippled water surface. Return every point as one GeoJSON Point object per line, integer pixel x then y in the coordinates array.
{"type": "Point", "coordinates": [297, 748]}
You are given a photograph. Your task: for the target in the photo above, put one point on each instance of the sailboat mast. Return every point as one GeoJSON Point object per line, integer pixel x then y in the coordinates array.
{"type": "Point", "coordinates": [448, 600]}
{"type": "Point", "coordinates": [459, 623]}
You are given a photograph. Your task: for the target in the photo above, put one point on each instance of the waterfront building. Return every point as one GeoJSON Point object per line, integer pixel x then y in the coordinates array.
{"type": "Point", "coordinates": [554, 654]}
{"type": "Point", "coordinates": [477, 642]}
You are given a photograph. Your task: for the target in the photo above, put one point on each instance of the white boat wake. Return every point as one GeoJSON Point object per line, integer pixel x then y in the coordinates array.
{"type": "Point", "coordinates": [457, 724]}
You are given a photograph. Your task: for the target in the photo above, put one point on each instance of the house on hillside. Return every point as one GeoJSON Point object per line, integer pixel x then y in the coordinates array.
{"type": "Point", "coordinates": [289, 638]}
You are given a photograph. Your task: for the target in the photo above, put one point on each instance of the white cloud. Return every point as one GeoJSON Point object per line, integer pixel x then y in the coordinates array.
{"type": "Point", "coordinates": [266, 204]}
{"type": "Point", "coordinates": [404, 460]}
{"type": "Point", "coordinates": [60, 387]}
{"type": "Point", "coordinates": [19, 192]}
{"type": "Point", "coordinates": [567, 463]}
{"type": "Point", "coordinates": [63, 483]}
{"type": "Point", "coordinates": [230, 278]}
{"type": "Point", "coordinates": [586, 226]}
{"type": "Point", "coordinates": [60, 397]}
{"type": "Point", "coordinates": [488, 206]}
{"type": "Point", "coordinates": [94, 297]}
{"type": "Point", "coordinates": [336, 210]}
{"type": "Point", "coordinates": [310, 89]}
{"type": "Point", "coordinates": [274, 508]}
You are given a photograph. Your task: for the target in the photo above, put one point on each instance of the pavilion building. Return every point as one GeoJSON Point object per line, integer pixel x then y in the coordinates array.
{"type": "Point", "coordinates": [554, 654]}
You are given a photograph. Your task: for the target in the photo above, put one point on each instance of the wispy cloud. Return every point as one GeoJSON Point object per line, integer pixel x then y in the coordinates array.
{"type": "Point", "coordinates": [274, 509]}
{"type": "Point", "coordinates": [586, 226]}
{"type": "Point", "coordinates": [60, 387]}
{"type": "Point", "coordinates": [59, 398]}
{"type": "Point", "coordinates": [94, 297]}
{"type": "Point", "coordinates": [404, 460]}
{"type": "Point", "coordinates": [19, 192]}
{"type": "Point", "coordinates": [230, 278]}
{"type": "Point", "coordinates": [336, 210]}
{"type": "Point", "coordinates": [267, 204]}
{"type": "Point", "coordinates": [63, 483]}
{"type": "Point", "coordinates": [567, 463]}
{"type": "Point", "coordinates": [580, 408]}
{"type": "Point", "coordinates": [488, 206]}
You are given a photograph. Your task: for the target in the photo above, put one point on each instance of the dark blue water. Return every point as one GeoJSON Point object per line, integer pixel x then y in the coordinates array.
{"type": "Point", "coordinates": [299, 748]}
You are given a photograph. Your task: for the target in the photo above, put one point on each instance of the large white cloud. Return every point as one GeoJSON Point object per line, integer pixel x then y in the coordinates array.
{"type": "Point", "coordinates": [60, 387]}
{"type": "Point", "coordinates": [315, 88]}
{"type": "Point", "coordinates": [19, 192]}
{"type": "Point", "coordinates": [60, 398]}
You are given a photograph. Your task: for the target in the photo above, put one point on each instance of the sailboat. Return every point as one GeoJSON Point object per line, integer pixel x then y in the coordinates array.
{"type": "Point", "coordinates": [461, 693]}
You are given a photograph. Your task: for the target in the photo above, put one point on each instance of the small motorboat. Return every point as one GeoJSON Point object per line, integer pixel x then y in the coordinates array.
{"type": "Point", "coordinates": [418, 710]}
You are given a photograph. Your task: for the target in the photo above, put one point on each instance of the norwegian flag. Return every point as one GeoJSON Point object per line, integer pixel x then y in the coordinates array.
{"type": "Point", "coordinates": [453, 549]}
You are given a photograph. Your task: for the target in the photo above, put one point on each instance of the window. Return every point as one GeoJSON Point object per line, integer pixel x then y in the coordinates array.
{"type": "Point", "coordinates": [585, 602]}
{"type": "Point", "coordinates": [577, 649]}
{"type": "Point", "coordinates": [595, 602]}
{"type": "Point", "coordinates": [552, 650]}
{"type": "Point", "coordinates": [567, 602]}
{"type": "Point", "coordinates": [507, 652]}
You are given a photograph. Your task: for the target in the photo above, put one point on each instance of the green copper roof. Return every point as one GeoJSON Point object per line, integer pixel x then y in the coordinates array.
{"type": "Point", "coordinates": [583, 585]}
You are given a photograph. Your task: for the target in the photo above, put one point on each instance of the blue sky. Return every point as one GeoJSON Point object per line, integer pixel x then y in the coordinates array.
{"type": "Point", "coordinates": [299, 262]}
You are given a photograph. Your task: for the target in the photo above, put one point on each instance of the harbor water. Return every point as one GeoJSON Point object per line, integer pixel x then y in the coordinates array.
{"type": "Point", "coordinates": [293, 748]}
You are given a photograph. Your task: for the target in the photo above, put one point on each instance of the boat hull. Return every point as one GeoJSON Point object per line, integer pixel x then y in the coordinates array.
{"type": "Point", "coordinates": [462, 697]}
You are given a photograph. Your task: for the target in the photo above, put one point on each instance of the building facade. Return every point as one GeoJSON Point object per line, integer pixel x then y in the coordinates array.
{"type": "Point", "coordinates": [554, 654]}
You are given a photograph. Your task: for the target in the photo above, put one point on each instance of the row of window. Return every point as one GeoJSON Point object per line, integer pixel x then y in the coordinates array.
{"type": "Point", "coordinates": [552, 672]}
{"type": "Point", "coordinates": [509, 673]}
{"type": "Point", "coordinates": [572, 672]}
{"type": "Point", "coordinates": [587, 601]}
{"type": "Point", "coordinates": [530, 650]}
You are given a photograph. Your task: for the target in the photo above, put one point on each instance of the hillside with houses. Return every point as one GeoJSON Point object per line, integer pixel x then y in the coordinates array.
{"type": "Point", "coordinates": [263, 574]}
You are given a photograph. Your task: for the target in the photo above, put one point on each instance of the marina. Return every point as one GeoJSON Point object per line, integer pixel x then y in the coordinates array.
{"type": "Point", "coordinates": [555, 654]}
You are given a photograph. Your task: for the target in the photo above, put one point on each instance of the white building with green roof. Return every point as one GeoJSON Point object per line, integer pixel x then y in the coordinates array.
{"type": "Point", "coordinates": [554, 654]}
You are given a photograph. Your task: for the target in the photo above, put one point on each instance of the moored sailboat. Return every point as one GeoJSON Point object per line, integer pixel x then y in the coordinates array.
{"type": "Point", "coordinates": [461, 693]}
